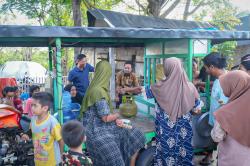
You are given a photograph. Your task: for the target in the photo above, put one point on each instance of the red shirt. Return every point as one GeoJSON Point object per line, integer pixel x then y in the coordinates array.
{"type": "Point", "coordinates": [18, 104]}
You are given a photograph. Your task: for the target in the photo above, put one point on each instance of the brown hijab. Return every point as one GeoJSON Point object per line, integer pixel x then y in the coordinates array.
{"type": "Point", "coordinates": [234, 117]}
{"type": "Point", "coordinates": [175, 95]}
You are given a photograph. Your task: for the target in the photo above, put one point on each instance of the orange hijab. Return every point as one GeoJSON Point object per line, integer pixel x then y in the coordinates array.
{"type": "Point", "coordinates": [175, 94]}
{"type": "Point", "coordinates": [234, 117]}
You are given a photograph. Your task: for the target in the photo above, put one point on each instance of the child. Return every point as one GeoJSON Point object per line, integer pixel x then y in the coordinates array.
{"type": "Point", "coordinates": [27, 109]}
{"type": "Point", "coordinates": [46, 131]}
{"type": "Point", "coordinates": [73, 136]}
{"type": "Point", "coordinates": [8, 95]}
{"type": "Point", "coordinates": [16, 100]}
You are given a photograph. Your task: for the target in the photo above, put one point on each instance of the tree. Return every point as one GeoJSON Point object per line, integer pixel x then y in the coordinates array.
{"type": "Point", "coordinates": [224, 18]}
{"type": "Point", "coordinates": [46, 12]}
{"type": "Point", "coordinates": [33, 9]}
{"type": "Point", "coordinates": [54, 13]}
{"type": "Point", "coordinates": [163, 8]}
{"type": "Point", "coordinates": [221, 14]}
{"type": "Point", "coordinates": [19, 54]}
{"type": "Point", "coordinates": [77, 17]}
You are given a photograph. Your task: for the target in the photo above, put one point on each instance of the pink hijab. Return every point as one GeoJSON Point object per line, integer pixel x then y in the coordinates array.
{"type": "Point", "coordinates": [175, 95]}
{"type": "Point", "coordinates": [234, 117]}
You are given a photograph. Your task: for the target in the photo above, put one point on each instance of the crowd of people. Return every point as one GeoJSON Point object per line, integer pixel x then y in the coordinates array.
{"type": "Point", "coordinates": [177, 98]}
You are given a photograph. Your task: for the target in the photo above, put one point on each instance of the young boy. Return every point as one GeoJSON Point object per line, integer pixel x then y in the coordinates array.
{"type": "Point", "coordinates": [27, 109]}
{"type": "Point", "coordinates": [16, 100]}
{"type": "Point", "coordinates": [46, 131]}
{"type": "Point", "coordinates": [73, 136]}
{"type": "Point", "coordinates": [8, 95]}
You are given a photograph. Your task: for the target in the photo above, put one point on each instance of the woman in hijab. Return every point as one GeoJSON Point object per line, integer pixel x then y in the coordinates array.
{"type": "Point", "coordinates": [75, 96]}
{"type": "Point", "coordinates": [232, 125]}
{"type": "Point", "coordinates": [175, 97]}
{"type": "Point", "coordinates": [108, 143]}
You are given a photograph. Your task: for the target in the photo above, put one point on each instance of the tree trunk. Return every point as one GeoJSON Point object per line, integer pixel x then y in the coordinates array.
{"type": "Point", "coordinates": [27, 54]}
{"type": "Point", "coordinates": [65, 62]}
{"type": "Point", "coordinates": [170, 8]}
{"type": "Point", "coordinates": [186, 11]}
{"type": "Point", "coordinates": [154, 7]}
{"type": "Point", "coordinates": [77, 17]}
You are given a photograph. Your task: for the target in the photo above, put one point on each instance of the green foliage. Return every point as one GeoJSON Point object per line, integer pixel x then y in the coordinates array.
{"type": "Point", "coordinates": [18, 54]}
{"type": "Point", "coordinates": [228, 50]}
{"type": "Point", "coordinates": [33, 9]}
{"type": "Point", "coordinates": [224, 18]}
{"type": "Point", "coordinates": [8, 54]}
{"type": "Point", "coordinates": [53, 12]}
{"type": "Point", "coordinates": [49, 13]}
{"type": "Point", "coordinates": [40, 56]}
{"type": "Point", "coordinates": [59, 13]}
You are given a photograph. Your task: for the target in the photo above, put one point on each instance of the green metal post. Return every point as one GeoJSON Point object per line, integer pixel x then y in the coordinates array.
{"type": "Point", "coordinates": [163, 48]}
{"type": "Point", "coordinates": [145, 68]}
{"type": "Point", "coordinates": [50, 58]}
{"type": "Point", "coordinates": [208, 46]}
{"type": "Point", "coordinates": [208, 79]}
{"type": "Point", "coordinates": [154, 70]}
{"type": "Point", "coordinates": [149, 70]}
{"type": "Point", "coordinates": [190, 59]}
{"type": "Point", "coordinates": [207, 87]}
{"type": "Point", "coordinates": [51, 70]}
{"type": "Point", "coordinates": [59, 79]}
{"type": "Point", "coordinates": [55, 93]}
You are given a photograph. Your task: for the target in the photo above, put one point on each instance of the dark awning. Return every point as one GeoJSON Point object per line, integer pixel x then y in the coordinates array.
{"type": "Point", "coordinates": [244, 26]}
{"type": "Point", "coordinates": [41, 36]}
{"type": "Point", "coordinates": [104, 18]}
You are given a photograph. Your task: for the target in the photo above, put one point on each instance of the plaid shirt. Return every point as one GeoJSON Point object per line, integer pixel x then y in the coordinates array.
{"type": "Point", "coordinates": [71, 158]}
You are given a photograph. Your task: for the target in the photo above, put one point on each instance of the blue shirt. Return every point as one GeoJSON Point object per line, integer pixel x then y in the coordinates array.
{"type": "Point", "coordinates": [216, 95]}
{"type": "Point", "coordinates": [24, 96]}
{"type": "Point", "coordinates": [80, 78]}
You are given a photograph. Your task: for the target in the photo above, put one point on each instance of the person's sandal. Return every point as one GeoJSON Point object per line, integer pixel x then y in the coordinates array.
{"type": "Point", "coordinates": [206, 161]}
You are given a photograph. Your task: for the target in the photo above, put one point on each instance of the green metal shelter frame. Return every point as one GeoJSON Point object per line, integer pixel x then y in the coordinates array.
{"type": "Point", "coordinates": [156, 50]}
{"type": "Point", "coordinates": [150, 60]}
{"type": "Point", "coordinates": [58, 37]}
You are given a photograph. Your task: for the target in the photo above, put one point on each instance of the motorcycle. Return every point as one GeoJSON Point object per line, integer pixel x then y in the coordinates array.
{"type": "Point", "coordinates": [13, 150]}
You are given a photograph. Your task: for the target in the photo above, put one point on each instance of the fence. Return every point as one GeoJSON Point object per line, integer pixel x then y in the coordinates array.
{"type": "Point", "coordinates": [25, 83]}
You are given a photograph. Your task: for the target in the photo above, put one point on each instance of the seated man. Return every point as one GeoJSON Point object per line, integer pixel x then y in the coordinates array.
{"type": "Point", "coordinates": [126, 83]}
